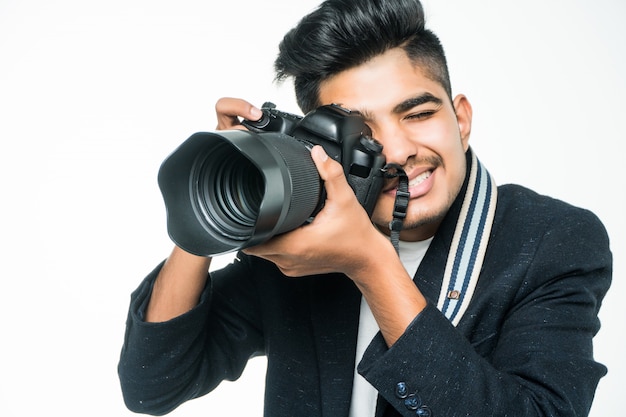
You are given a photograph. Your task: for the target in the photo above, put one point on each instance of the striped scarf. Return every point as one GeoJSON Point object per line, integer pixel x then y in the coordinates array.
{"type": "Point", "coordinates": [469, 243]}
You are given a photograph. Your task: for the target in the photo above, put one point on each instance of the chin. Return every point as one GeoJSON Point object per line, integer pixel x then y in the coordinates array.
{"type": "Point", "coordinates": [420, 215]}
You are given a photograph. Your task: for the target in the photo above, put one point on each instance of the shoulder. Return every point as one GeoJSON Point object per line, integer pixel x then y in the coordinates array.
{"type": "Point", "coordinates": [521, 207]}
{"type": "Point", "coordinates": [516, 197]}
{"type": "Point", "coordinates": [547, 231]}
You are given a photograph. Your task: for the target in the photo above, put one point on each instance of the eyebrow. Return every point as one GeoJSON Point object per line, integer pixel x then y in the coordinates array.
{"type": "Point", "coordinates": [409, 103]}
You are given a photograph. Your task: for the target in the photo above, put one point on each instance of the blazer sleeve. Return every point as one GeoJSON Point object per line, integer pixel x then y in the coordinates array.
{"type": "Point", "coordinates": [165, 364]}
{"type": "Point", "coordinates": [542, 361]}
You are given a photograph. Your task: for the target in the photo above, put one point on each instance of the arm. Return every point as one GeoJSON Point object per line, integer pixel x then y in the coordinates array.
{"type": "Point", "coordinates": [181, 334]}
{"type": "Point", "coordinates": [167, 363]}
{"type": "Point", "coordinates": [178, 286]}
{"type": "Point", "coordinates": [183, 276]}
{"type": "Point", "coordinates": [539, 311]}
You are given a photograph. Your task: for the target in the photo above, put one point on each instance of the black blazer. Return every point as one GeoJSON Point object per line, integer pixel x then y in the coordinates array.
{"type": "Point", "coordinates": [522, 348]}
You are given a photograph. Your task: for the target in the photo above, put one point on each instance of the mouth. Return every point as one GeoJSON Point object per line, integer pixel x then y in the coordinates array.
{"type": "Point", "coordinates": [419, 183]}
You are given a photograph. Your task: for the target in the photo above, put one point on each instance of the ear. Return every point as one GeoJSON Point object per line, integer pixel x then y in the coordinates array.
{"type": "Point", "coordinates": [463, 110]}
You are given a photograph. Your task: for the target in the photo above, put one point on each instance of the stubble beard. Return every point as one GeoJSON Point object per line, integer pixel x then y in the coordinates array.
{"type": "Point", "coordinates": [428, 219]}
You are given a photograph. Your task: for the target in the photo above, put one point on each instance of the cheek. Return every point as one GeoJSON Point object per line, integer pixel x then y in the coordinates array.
{"type": "Point", "coordinates": [444, 139]}
{"type": "Point", "coordinates": [442, 136]}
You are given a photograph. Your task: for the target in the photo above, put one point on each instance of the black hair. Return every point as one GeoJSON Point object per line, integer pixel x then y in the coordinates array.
{"type": "Point", "coordinates": [343, 34]}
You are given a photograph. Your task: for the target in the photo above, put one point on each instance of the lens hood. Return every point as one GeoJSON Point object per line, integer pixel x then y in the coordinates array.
{"type": "Point", "coordinates": [200, 197]}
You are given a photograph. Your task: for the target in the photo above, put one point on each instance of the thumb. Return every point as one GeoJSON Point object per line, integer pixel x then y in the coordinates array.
{"type": "Point", "coordinates": [326, 167]}
{"type": "Point", "coordinates": [329, 170]}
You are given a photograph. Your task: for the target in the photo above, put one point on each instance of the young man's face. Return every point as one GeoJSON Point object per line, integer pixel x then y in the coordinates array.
{"type": "Point", "coordinates": [412, 116]}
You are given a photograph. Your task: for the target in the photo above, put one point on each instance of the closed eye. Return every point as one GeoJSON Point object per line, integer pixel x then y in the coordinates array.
{"type": "Point", "coordinates": [421, 115]}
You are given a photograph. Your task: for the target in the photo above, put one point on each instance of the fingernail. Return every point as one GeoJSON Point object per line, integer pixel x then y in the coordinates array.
{"type": "Point", "coordinates": [321, 153]}
{"type": "Point", "coordinates": [256, 113]}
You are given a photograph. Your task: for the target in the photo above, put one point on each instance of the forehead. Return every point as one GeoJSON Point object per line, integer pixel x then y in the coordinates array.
{"type": "Point", "coordinates": [380, 84]}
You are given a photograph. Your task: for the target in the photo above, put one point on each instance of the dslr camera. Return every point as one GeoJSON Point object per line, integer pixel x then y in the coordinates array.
{"type": "Point", "coordinates": [233, 189]}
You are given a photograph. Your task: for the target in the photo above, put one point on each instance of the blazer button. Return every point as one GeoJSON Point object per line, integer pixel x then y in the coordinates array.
{"type": "Point", "coordinates": [412, 402]}
{"type": "Point", "coordinates": [401, 390]}
{"type": "Point", "coordinates": [423, 412]}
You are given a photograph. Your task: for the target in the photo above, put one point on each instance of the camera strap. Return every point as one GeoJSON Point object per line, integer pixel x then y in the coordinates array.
{"type": "Point", "coordinates": [401, 203]}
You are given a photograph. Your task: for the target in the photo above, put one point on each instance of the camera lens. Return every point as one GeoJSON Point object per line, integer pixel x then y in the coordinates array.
{"type": "Point", "coordinates": [234, 189]}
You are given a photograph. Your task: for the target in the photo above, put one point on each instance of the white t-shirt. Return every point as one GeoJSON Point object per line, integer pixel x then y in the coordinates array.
{"type": "Point", "coordinates": [364, 395]}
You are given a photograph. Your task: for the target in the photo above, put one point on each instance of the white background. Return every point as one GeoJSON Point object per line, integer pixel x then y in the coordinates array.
{"type": "Point", "coordinates": [94, 95]}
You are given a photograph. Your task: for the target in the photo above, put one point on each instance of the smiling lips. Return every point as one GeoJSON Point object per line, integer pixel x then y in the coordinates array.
{"type": "Point", "coordinates": [420, 178]}
{"type": "Point", "coordinates": [418, 184]}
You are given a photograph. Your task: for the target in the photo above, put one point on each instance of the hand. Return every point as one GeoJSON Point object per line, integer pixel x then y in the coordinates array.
{"type": "Point", "coordinates": [229, 111]}
{"type": "Point", "coordinates": [341, 238]}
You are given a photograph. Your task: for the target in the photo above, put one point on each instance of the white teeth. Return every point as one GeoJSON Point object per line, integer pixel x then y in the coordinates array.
{"type": "Point", "coordinates": [420, 178]}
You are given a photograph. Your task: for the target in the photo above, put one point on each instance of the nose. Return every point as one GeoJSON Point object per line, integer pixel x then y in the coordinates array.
{"type": "Point", "coordinates": [398, 145]}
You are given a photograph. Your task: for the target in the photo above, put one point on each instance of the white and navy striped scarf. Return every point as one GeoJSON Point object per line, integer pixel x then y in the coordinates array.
{"type": "Point", "coordinates": [469, 243]}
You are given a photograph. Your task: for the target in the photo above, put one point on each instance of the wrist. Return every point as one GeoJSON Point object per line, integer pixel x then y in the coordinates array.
{"type": "Point", "coordinates": [391, 294]}
{"type": "Point", "coordinates": [178, 286]}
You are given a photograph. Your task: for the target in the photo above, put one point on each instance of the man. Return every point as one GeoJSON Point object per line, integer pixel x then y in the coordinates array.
{"type": "Point", "coordinates": [488, 306]}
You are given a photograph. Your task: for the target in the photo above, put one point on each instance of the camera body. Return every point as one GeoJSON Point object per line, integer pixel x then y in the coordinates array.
{"type": "Point", "coordinates": [344, 136]}
{"type": "Point", "coordinates": [232, 189]}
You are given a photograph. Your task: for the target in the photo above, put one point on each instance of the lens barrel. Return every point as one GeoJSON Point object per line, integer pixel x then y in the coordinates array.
{"type": "Point", "coordinates": [229, 190]}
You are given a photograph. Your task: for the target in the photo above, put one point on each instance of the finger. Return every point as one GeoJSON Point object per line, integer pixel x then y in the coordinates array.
{"type": "Point", "coordinates": [229, 110]}
{"type": "Point", "coordinates": [325, 165]}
